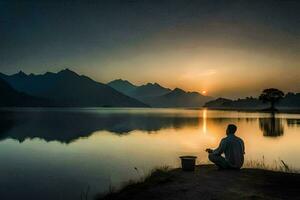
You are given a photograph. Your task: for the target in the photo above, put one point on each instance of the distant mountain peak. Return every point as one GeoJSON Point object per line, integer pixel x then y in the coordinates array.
{"type": "Point", "coordinates": [21, 74]}
{"type": "Point", "coordinates": [48, 73]}
{"type": "Point", "coordinates": [178, 90]}
{"type": "Point", "coordinates": [120, 81]}
{"type": "Point", "coordinates": [122, 86]}
{"type": "Point", "coordinates": [153, 85]}
{"type": "Point", "coordinates": [67, 71]}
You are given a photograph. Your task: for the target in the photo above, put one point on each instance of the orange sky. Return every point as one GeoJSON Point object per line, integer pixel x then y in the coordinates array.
{"type": "Point", "coordinates": [227, 48]}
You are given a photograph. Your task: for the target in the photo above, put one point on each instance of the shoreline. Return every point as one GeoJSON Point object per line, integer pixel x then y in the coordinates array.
{"type": "Point", "coordinates": [208, 183]}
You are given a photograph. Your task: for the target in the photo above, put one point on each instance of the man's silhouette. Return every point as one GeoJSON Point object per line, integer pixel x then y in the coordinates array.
{"type": "Point", "coordinates": [233, 148]}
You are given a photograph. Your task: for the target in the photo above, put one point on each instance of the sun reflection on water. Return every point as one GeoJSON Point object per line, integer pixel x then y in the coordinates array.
{"type": "Point", "coordinates": [204, 118]}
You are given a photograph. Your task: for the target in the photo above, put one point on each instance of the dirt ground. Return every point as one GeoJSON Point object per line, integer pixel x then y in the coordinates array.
{"type": "Point", "coordinates": [208, 183]}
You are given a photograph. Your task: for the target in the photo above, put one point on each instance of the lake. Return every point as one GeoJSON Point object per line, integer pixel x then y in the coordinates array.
{"type": "Point", "coordinates": [56, 153]}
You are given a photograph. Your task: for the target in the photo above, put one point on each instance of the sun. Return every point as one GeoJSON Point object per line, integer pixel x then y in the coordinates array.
{"type": "Point", "coordinates": [204, 92]}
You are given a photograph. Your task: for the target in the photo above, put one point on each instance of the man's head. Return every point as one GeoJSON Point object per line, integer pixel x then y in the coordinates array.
{"type": "Point", "coordinates": [231, 129]}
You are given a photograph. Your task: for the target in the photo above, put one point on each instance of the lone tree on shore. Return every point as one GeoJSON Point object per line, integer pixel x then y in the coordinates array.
{"type": "Point", "coordinates": [271, 95]}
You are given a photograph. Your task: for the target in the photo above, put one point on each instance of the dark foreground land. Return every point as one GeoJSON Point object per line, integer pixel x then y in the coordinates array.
{"type": "Point", "coordinates": [207, 183]}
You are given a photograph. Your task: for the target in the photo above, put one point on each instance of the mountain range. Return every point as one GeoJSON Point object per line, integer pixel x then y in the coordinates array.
{"type": "Point", "coordinates": [11, 97]}
{"type": "Point", "coordinates": [156, 95]}
{"type": "Point", "coordinates": [68, 89]}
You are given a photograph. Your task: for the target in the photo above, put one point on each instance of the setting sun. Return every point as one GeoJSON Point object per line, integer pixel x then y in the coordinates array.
{"type": "Point", "coordinates": [204, 92]}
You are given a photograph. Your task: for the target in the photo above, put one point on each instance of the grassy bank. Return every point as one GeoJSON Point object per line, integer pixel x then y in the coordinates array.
{"type": "Point", "coordinates": [209, 183]}
{"type": "Point", "coordinates": [277, 165]}
{"type": "Point", "coordinates": [157, 176]}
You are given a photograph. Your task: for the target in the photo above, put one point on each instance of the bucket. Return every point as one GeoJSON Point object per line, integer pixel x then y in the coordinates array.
{"type": "Point", "coordinates": [188, 163]}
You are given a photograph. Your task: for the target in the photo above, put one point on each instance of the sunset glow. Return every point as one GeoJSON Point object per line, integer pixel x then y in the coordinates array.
{"type": "Point", "coordinates": [194, 46]}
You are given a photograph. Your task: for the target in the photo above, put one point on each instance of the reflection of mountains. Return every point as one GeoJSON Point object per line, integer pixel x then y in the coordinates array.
{"type": "Point", "coordinates": [69, 126]}
{"type": "Point", "coordinates": [272, 126]}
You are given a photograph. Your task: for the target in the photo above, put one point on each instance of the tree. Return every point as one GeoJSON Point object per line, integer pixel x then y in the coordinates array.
{"type": "Point", "coordinates": [271, 95]}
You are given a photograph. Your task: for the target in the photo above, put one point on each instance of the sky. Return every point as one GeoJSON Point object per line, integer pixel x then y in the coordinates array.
{"type": "Point", "coordinates": [227, 48]}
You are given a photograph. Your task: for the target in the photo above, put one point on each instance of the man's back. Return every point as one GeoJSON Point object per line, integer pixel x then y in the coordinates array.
{"type": "Point", "coordinates": [234, 150]}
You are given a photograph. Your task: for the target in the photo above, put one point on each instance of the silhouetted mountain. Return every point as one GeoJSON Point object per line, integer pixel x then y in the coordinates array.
{"type": "Point", "coordinates": [247, 103]}
{"type": "Point", "coordinates": [11, 97]}
{"type": "Point", "coordinates": [70, 89]}
{"type": "Point", "coordinates": [157, 96]}
{"type": "Point", "coordinates": [179, 98]}
{"type": "Point", "coordinates": [142, 92]}
{"type": "Point", "coordinates": [219, 102]}
{"type": "Point", "coordinates": [123, 86]}
{"type": "Point", "coordinates": [149, 90]}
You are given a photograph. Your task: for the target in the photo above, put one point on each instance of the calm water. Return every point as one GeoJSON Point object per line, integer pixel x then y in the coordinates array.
{"type": "Point", "coordinates": [58, 153]}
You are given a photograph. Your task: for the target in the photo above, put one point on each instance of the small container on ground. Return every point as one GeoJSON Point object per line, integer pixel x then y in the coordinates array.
{"type": "Point", "coordinates": [188, 163]}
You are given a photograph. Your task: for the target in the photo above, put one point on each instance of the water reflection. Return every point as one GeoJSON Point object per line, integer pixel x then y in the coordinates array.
{"type": "Point", "coordinates": [271, 127]}
{"type": "Point", "coordinates": [204, 117]}
{"type": "Point", "coordinates": [293, 122]}
{"type": "Point", "coordinates": [66, 127]}
{"type": "Point", "coordinates": [108, 153]}
{"type": "Point", "coordinates": [6, 122]}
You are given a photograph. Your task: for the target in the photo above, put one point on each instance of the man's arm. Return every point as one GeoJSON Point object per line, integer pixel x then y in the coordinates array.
{"type": "Point", "coordinates": [221, 148]}
{"type": "Point", "coordinates": [243, 145]}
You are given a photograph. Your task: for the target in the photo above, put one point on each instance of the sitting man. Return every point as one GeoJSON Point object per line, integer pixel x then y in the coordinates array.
{"type": "Point", "coordinates": [233, 148]}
